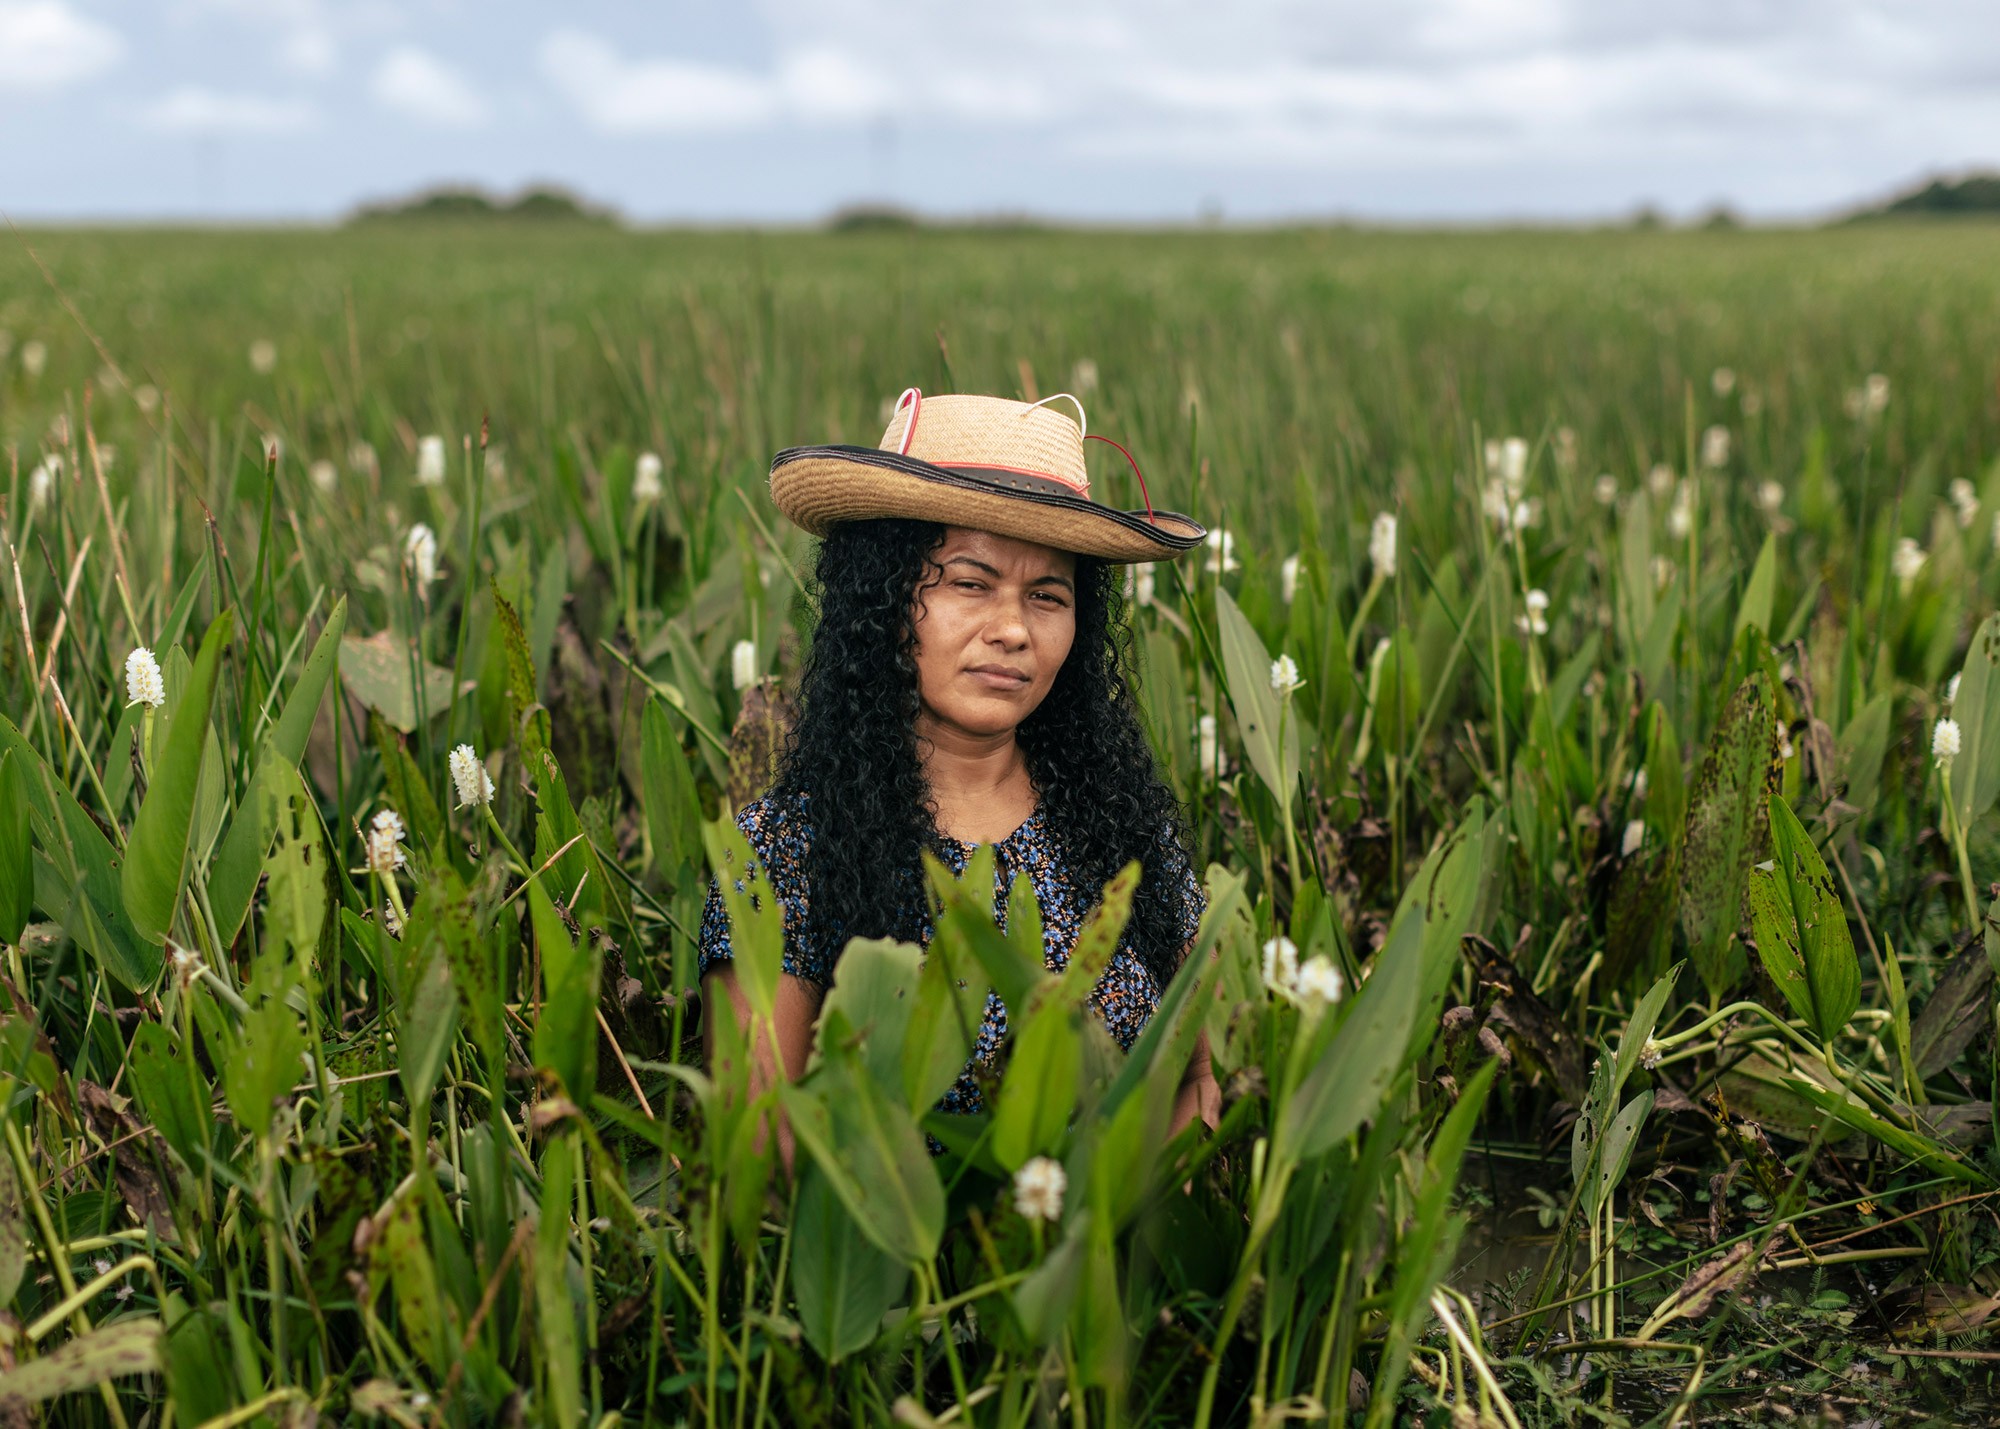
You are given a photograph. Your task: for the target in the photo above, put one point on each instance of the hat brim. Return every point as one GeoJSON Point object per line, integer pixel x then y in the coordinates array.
{"type": "Point", "coordinates": [818, 488]}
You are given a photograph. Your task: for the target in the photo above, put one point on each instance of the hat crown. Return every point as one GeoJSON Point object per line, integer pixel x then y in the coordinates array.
{"type": "Point", "coordinates": [971, 433]}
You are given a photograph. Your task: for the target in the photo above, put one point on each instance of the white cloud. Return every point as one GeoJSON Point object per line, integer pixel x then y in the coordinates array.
{"type": "Point", "coordinates": [309, 51]}
{"type": "Point", "coordinates": [192, 109]}
{"type": "Point", "coordinates": [45, 45]}
{"type": "Point", "coordinates": [619, 96]}
{"type": "Point", "coordinates": [413, 82]}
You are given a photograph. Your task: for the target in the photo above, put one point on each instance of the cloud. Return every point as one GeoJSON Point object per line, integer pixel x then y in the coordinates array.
{"type": "Point", "coordinates": [192, 109]}
{"type": "Point", "coordinates": [619, 96]}
{"type": "Point", "coordinates": [46, 46]}
{"type": "Point", "coordinates": [411, 81]}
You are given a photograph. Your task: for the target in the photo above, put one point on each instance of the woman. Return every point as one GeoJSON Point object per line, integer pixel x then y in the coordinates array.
{"type": "Point", "coordinates": [967, 685]}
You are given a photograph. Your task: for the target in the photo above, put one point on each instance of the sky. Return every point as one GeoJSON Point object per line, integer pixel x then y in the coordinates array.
{"type": "Point", "coordinates": [1088, 110]}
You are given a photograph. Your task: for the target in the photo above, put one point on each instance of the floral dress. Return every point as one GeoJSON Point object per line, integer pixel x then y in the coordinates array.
{"type": "Point", "coordinates": [1126, 996]}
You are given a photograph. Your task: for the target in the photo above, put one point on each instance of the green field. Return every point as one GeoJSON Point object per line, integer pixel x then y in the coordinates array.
{"type": "Point", "coordinates": [1612, 792]}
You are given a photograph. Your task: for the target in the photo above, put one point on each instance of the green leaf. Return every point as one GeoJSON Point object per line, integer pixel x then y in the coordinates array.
{"type": "Point", "coordinates": [17, 855]}
{"type": "Point", "coordinates": [756, 921]}
{"type": "Point", "coordinates": [167, 1089]}
{"type": "Point", "coordinates": [555, 1304]}
{"type": "Point", "coordinates": [1657, 648]}
{"type": "Point", "coordinates": [126, 1347]}
{"type": "Point", "coordinates": [1442, 899]}
{"type": "Point", "coordinates": [1346, 1086]}
{"type": "Point", "coordinates": [1247, 665]}
{"type": "Point", "coordinates": [869, 1149]}
{"type": "Point", "coordinates": [875, 987]}
{"type": "Point", "coordinates": [1098, 940]}
{"type": "Point", "coordinates": [1726, 822]}
{"type": "Point", "coordinates": [232, 881]}
{"type": "Point", "coordinates": [1936, 1159]}
{"type": "Point", "coordinates": [566, 1032]}
{"type": "Point", "coordinates": [13, 1232]}
{"type": "Point", "coordinates": [844, 1283]}
{"type": "Point", "coordinates": [381, 671]}
{"type": "Point", "coordinates": [1039, 1090]}
{"type": "Point", "coordinates": [966, 914]}
{"type": "Point", "coordinates": [1975, 773]}
{"type": "Point", "coordinates": [156, 854]}
{"type": "Point", "coordinates": [666, 786]}
{"type": "Point", "coordinates": [261, 1063]}
{"type": "Point", "coordinates": [1639, 1031]}
{"type": "Point", "coordinates": [404, 785]}
{"type": "Point", "coordinates": [1802, 932]}
{"type": "Point", "coordinates": [1616, 1156]}
{"type": "Point", "coordinates": [426, 1001]}
{"type": "Point", "coordinates": [295, 871]}
{"type": "Point", "coordinates": [944, 1025]}
{"type": "Point", "coordinates": [1861, 746]}
{"type": "Point", "coordinates": [1758, 592]}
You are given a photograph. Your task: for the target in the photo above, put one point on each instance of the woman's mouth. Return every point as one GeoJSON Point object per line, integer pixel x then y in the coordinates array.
{"type": "Point", "coordinates": [1003, 678]}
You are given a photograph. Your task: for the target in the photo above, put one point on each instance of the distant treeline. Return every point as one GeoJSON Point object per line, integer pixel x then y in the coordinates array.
{"type": "Point", "coordinates": [536, 205]}
{"type": "Point", "coordinates": [1974, 194]}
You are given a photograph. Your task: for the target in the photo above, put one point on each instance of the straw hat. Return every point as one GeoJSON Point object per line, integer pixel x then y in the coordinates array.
{"type": "Point", "coordinates": [1012, 468]}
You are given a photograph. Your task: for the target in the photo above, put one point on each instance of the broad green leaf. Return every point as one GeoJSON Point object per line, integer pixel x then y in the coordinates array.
{"type": "Point", "coordinates": [1657, 648]}
{"type": "Point", "coordinates": [1247, 665]}
{"type": "Point", "coordinates": [13, 1232]}
{"type": "Point", "coordinates": [295, 871]}
{"type": "Point", "coordinates": [1639, 1031]}
{"type": "Point", "coordinates": [566, 1033]}
{"type": "Point", "coordinates": [124, 1348]}
{"type": "Point", "coordinates": [174, 1095]}
{"type": "Point", "coordinates": [404, 787]}
{"type": "Point", "coordinates": [1443, 898]}
{"type": "Point", "coordinates": [555, 1304]}
{"type": "Point", "coordinates": [426, 1001]}
{"type": "Point", "coordinates": [1039, 1090]}
{"type": "Point", "coordinates": [966, 914]}
{"type": "Point", "coordinates": [382, 672]}
{"type": "Point", "coordinates": [869, 1149]}
{"type": "Point", "coordinates": [1754, 611]}
{"type": "Point", "coordinates": [756, 920]}
{"type": "Point", "coordinates": [1975, 773]}
{"type": "Point", "coordinates": [666, 786]}
{"type": "Point", "coordinates": [527, 722]}
{"type": "Point", "coordinates": [944, 1025]}
{"type": "Point", "coordinates": [1347, 1085]}
{"type": "Point", "coordinates": [1802, 932]}
{"type": "Point", "coordinates": [17, 857]}
{"type": "Point", "coordinates": [1170, 1032]}
{"type": "Point", "coordinates": [1861, 746]}
{"type": "Point", "coordinates": [232, 881]}
{"type": "Point", "coordinates": [1098, 940]}
{"type": "Point", "coordinates": [1954, 1013]}
{"type": "Point", "coordinates": [1042, 1302]}
{"type": "Point", "coordinates": [1616, 1155]}
{"type": "Point", "coordinates": [1635, 565]}
{"type": "Point", "coordinates": [1934, 1158]}
{"type": "Point", "coordinates": [261, 1063]}
{"type": "Point", "coordinates": [875, 987]}
{"type": "Point", "coordinates": [1726, 821]}
{"type": "Point", "coordinates": [156, 854]}
{"type": "Point", "coordinates": [420, 1318]}
{"type": "Point", "coordinates": [844, 1283]}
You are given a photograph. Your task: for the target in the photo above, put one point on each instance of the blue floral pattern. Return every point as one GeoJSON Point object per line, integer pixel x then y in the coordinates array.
{"type": "Point", "coordinates": [1126, 995]}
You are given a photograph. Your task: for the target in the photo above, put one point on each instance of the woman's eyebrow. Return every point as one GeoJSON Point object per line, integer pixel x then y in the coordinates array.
{"type": "Point", "coordinates": [994, 571]}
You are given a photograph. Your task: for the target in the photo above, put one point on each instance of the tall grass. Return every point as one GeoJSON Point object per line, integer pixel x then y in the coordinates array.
{"type": "Point", "coordinates": [307, 1118]}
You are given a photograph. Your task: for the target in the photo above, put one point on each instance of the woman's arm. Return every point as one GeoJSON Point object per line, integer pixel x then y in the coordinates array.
{"type": "Point", "coordinates": [1198, 1096]}
{"type": "Point", "coordinates": [794, 1012]}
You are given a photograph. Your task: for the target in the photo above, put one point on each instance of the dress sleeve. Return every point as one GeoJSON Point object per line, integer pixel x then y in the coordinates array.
{"type": "Point", "coordinates": [777, 838]}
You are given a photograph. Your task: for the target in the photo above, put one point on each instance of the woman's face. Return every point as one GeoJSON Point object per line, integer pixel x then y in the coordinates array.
{"type": "Point", "coordinates": [992, 631]}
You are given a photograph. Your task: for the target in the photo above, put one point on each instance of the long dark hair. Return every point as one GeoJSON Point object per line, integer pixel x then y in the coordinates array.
{"type": "Point", "coordinates": [853, 753]}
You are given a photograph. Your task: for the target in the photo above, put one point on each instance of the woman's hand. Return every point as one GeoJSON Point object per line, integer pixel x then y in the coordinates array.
{"type": "Point", "coordinates": [1199, 1096]}
{"type": "Point", "coordinates": [794, 1011]}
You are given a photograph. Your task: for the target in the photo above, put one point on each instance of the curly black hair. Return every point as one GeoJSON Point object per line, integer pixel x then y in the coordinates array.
{"type": "Point", "coordinates": [853, 753]}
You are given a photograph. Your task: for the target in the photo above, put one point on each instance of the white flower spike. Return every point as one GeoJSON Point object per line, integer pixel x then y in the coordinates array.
{"type": "Point", "coordinates": [143, 685]}
{"type": "Point", "coordinates": [385, 843]}
{"type": "Point", "coordinates": [1944, 742]}
{"type": "Point", "coordinates": [1319, 980]}
{"type": "Point", "coordinates": [1382, 546]}
{"type": "Point", "coordinates": [420, 549]}
{"type": "Point", "coordinates": [1288, 579]}
{"type": "Point", "coordinates": [1907, 561]}
{"type": "Point", "coordinates": [743, 664]}
{"type": "Point", "coordinates": [1038, 1189]}
{"type": "Point", "coordinates": [1285, 676]}
{"type": "Point", "coordinates": [430, 461]}
{"type": "Point", "coordinates": [1281, 965]}
{"type": "Point", "coordinates": [646, 479]}
{"type": "Point", "coordinates": [475, 785]}
{"type": "Point", "coordinates": [1208, 751]}
{"type": "Point", "coordinates": [1535, 622]}
{"type": "Point", "coordinates": [1222, 553]}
